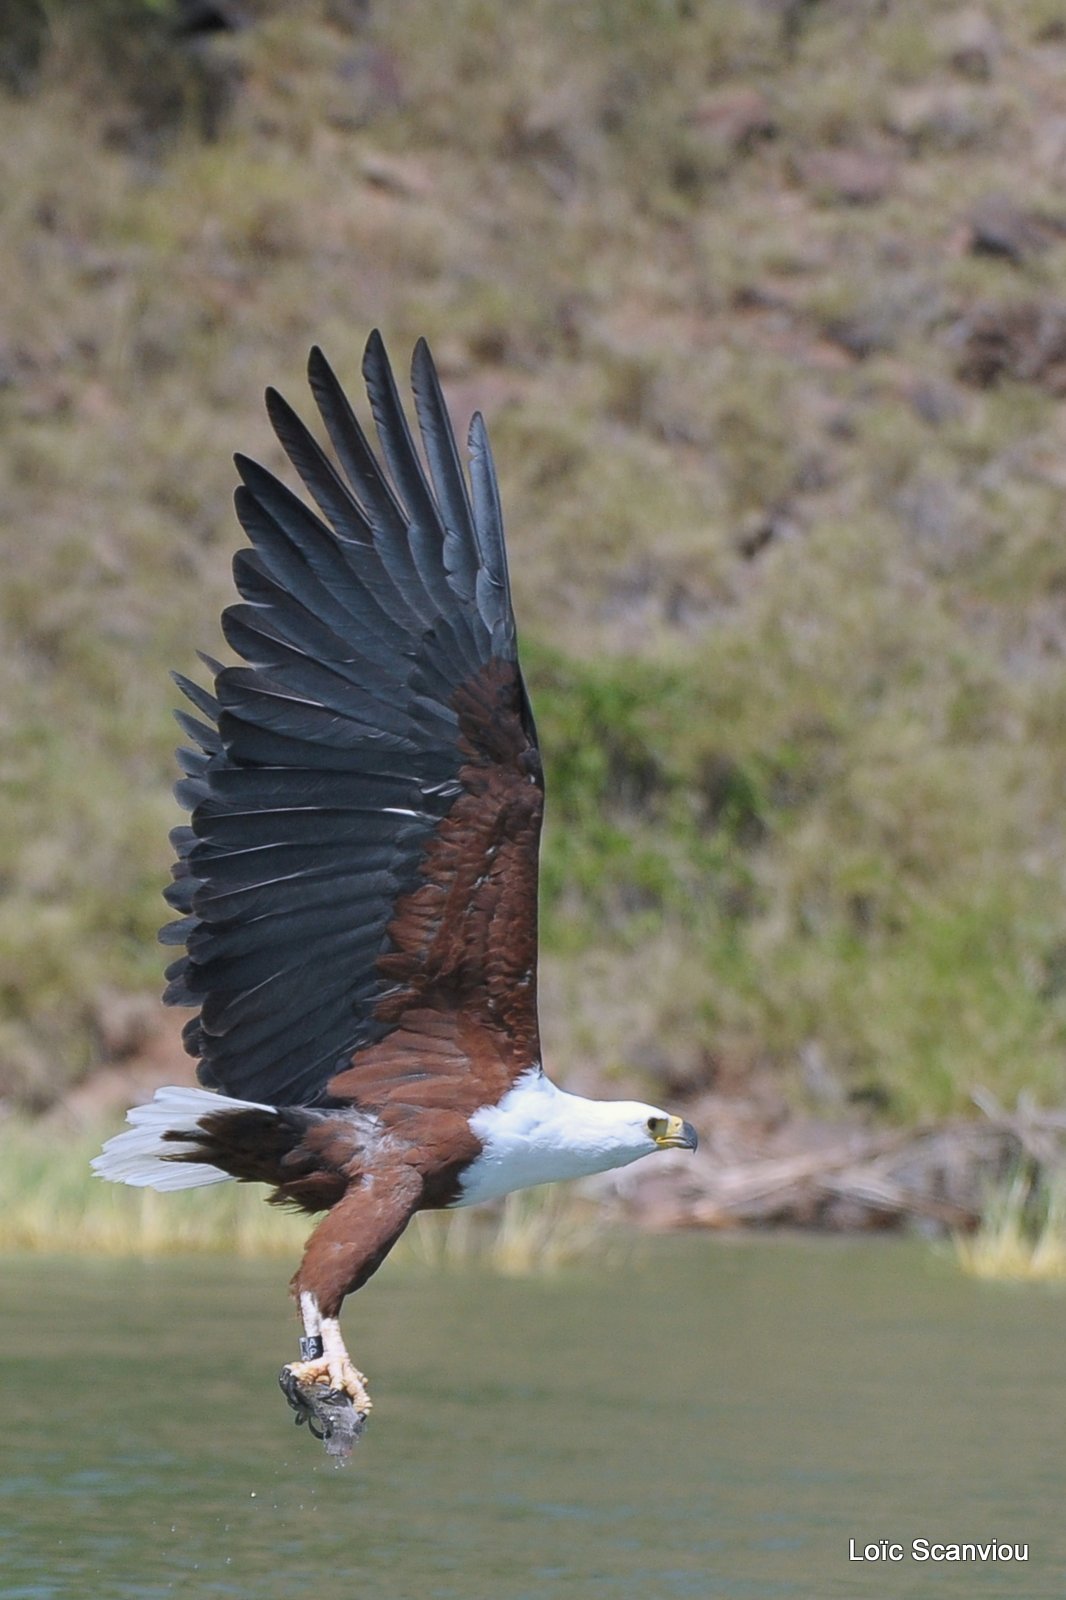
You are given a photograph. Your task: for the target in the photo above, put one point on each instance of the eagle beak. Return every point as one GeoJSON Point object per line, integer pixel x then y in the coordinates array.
{"type": "Point", "coordinates": [678, 1136]}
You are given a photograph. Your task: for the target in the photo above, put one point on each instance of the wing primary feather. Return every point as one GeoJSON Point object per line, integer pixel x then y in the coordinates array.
{"type": "Point", "coordinates": [278, 608]}
{"type": "Point", "coordinates": [397, 445]}
{"type": "Point", "coordinates": [305, 568]}
{"type": "Point", "coordinates": [372, 488]}
{"type": "Point", "coordinates": [357, 459]}
{"type": "Point", "coordinates": [327, 682]}
{"type": "Point", "coordinates": [335, 500]}
{"type": "Point", "coordinates": [493, 583]}
{"type": "Point", "coordinates": [449, 482]}
{"type": "Point", "coordinates": [206, 737]}
{"type": "Point", "coordinates": [201, 698]}
{"type": "Point", "coordinates": [192, 762]}
{"type": "Point", "coordinates": [424, 530]}
{"type": "Point", "coordinates": [179, 895]}
{"type": "Point", "coordinates": [188, 792]}
{"type": "Point", "coordinates": [352, 524]}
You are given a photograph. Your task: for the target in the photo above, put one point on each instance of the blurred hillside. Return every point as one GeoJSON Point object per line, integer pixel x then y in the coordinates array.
{"type": "Point", "coordinates": [765, 302]}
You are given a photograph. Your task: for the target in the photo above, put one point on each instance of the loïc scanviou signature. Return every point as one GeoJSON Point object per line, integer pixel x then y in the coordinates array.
{"type": "Point", "coordinates": [984, 1550]}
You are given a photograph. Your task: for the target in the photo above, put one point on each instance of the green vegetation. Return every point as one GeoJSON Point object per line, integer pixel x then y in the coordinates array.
{"type": "Point", "coordinates": [51, 1201]}
{"type": "Point", "coordinates": [1022, 1237]}
{"type": "Point", "coordinates": [788, 559]}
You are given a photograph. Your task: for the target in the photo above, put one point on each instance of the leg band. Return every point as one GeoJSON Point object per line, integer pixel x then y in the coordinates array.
{"type": "Point", "coordinates": [311, 1348]}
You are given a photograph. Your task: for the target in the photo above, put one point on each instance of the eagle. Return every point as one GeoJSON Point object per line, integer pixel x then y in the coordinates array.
{"type": "Point", "coordinates": [357, 882]}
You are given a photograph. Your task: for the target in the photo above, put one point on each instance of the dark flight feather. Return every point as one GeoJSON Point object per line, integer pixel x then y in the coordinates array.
{"type": "Point", "coordinates": [460, 546]}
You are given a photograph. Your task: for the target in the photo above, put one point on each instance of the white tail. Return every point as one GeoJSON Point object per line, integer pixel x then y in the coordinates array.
{"type": "Point", "coordinates": [138, 1156]}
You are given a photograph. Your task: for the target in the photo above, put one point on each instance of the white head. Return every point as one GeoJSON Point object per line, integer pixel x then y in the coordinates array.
{"type": "Point", "coordinates": [538, 1133]}
{"type": "Point", "coordinates": [624, 1130]}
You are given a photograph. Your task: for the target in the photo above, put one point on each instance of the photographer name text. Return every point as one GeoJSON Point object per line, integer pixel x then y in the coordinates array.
{"type": "Point", "coordinates": [937, 1550]}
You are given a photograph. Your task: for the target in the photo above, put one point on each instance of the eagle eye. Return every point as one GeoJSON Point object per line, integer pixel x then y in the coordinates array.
{"type": "Point", "coordinates": [656, 1127]}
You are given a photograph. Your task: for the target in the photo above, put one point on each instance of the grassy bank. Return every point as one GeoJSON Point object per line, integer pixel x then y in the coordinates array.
{"type": "Point", "coordinates": [51, 1202]}
{"type": "Point", "coordinates": [785, 512]}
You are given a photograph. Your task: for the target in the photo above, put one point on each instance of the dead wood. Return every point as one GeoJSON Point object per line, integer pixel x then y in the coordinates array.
{"type": "Point", "coordinates": [808, 1174]}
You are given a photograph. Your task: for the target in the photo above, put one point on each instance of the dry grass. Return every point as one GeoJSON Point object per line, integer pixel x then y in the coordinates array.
{"type": "Point", "coordinates": [792, 592]}
{"type": "Point", "coordinates": [529, 1233]}
{"type": "Point", "coordinates": [50, 1201]}
{"type": "Point", "coordinates": [1022, 1236]}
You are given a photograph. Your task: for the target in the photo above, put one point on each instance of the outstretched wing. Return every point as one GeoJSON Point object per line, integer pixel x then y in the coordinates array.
{"type": "Point", "coordinates": [360, 863]}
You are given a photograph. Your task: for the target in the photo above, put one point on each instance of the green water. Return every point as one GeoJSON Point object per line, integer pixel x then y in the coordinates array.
{"type": "Point", "coordinates": [715, 1420]}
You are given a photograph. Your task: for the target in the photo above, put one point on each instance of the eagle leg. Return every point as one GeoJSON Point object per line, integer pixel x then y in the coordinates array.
{"type": "Point", "coordinates": [325, 1386]}
{"type": "Point", "coordinates": [327, 1391]}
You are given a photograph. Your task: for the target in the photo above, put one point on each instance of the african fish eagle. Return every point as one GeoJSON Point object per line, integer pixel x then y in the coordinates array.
{"type": "Point", "coordinates": [357, 885]}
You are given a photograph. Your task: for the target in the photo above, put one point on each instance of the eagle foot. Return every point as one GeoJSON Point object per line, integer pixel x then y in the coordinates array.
{"type": "Point", "coordinates": [338, 1373]}
{"type": "Point", "coordinates": [331, 1414]}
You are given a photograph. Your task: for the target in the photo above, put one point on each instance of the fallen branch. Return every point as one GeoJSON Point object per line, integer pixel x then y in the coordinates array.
{"type": "Point", "coordinates": [938, 1175]}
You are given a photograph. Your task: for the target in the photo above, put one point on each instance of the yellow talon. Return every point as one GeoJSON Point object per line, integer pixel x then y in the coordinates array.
{"type": "Point", "coordinates": [336, 1372]}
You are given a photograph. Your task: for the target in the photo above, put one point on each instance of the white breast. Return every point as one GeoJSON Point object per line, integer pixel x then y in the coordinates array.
{"type": "Point", "coordinates": [538, 1134]}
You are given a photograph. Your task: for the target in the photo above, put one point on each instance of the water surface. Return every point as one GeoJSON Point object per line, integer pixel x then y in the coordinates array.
{"type": "Point", "coordinates": [716, 1419]}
